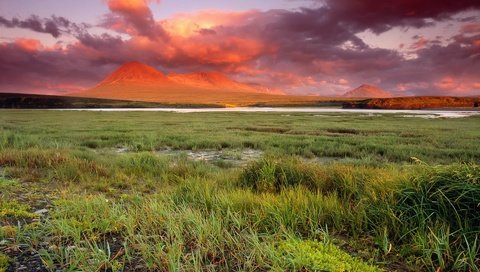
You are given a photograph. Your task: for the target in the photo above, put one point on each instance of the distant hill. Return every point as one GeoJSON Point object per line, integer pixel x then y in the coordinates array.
{"type": "Point", "coordinates": [368, 91]}
{"type": "Point", "coordinates": [35, 101]}
{"type": "Point", "coordinates": [415, 102]}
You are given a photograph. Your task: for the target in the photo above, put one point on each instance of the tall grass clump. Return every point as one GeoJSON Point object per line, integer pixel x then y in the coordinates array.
{"type": "Point", "coordinates": [272, 175]}
{"type": "Point", "coordinates": [333, 194]}
{"type": "Point", "coordinates": [349, 182]}
{"type": "Point", "coordinates": [438, 212]}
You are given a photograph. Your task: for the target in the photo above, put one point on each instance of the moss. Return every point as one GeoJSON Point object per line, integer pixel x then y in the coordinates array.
{"type": "Point", "coordinates": [317, 256]}
{"type": "Point", "coordinates": [15, 209]}
{"type": "Point", "coordinates": [4, 262]}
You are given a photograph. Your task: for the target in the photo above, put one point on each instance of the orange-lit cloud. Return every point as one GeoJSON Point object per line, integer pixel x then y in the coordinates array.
{"type": "Point", "coordinates": [30, 45]}
{"type": "Point", "coordinates": [228, 51]}
{"type": "Point", "coordinates": [133, 17]}
{"type": "Point", "coordinates": [343, 81]}
{"type": "Point", "coordinates": [185, 25]}
{"type": "Point", "coordinates": [130, 5]}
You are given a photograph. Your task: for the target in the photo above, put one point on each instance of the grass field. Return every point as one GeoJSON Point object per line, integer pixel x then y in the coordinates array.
{"type": "Point", "coordinates": [120, 191]}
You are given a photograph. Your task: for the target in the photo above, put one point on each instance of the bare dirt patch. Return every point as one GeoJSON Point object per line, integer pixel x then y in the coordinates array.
{"type": "Point", "coordinates": [234, 157]}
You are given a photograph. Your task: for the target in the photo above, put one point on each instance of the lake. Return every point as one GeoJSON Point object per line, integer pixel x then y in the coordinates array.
{"type": "Point", "coordinates": [407, 113]}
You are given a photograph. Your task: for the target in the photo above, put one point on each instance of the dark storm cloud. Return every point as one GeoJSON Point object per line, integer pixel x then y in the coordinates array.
{"type": "Point", "coordinates": [380, 16]}
{"type": "Point", "coordinates": [54, 25]}
{"type": "Point", "coordinates": [100, 42]}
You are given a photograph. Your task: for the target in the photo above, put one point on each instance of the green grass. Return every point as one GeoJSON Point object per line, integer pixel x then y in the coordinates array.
{"type": "Point", "coordinates": [338, 193]}
{"type": "Point", "coordinates": [386, 138]}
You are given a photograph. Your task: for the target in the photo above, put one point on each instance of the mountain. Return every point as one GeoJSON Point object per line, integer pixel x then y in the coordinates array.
{"type": "Point", "coordinates": [135, 73]}
{"type": "Point", "coordinates": [368, 91]}
{"type": "Point", "coordinates": [140, 82]}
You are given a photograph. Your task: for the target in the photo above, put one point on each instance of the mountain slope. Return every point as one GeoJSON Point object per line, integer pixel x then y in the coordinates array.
{"type": "Point", "coordinates": [135, 73]}
{"type": "Point", "coordinates": [368, 91]}
{"type": "Point", "coordinates": [210, 80]}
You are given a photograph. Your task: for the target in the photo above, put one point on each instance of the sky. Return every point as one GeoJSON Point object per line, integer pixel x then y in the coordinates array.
{"type": "Point", "coordinates": [306, 47]}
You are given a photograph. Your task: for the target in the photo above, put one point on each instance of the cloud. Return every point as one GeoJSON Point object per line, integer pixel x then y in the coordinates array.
{"type": "Point", "coordinates": [54, 25]}
{"type": "Point", "coordinates": [420, 42]}
{"type": "Point", "coordinates": [343, 81]}
{"type": "Point", "coordinates": [471, 28]}
{"type": "Point", "coordinates": [310, 50]}
{"type": "Point", "coordinates": [133, 17]}
{"type": "Point", "coordinates": [29, 45]}
{"type": "Point", "coordinates": [380, 16]}
{"type": "Point", "coordinates": [29, 66]}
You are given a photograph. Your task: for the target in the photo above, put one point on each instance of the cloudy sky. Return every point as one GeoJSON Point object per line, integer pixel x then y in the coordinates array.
{"type": "Point", "coordinates": [324, 47]}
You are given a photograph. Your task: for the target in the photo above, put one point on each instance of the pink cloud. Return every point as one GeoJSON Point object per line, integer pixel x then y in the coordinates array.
{"type": "Point", "coordinates": [446, 83]}
{"type": "Point", "coordinates": [471, 28]}
{"type": "Point", "coordinates": [456, 86]}
{"type": "Point", "coordinates": [343, 81]}
{"type": "Point", "coordinates": [420, 43]}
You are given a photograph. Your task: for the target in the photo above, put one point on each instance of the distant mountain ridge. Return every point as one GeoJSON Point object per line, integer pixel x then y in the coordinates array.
{"type": "Point", "coordinates": [136, 76]}
{"type": "Point", "coordinates": [135, 81]}
{"type": "Point", "coordinates": [368, 91]}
